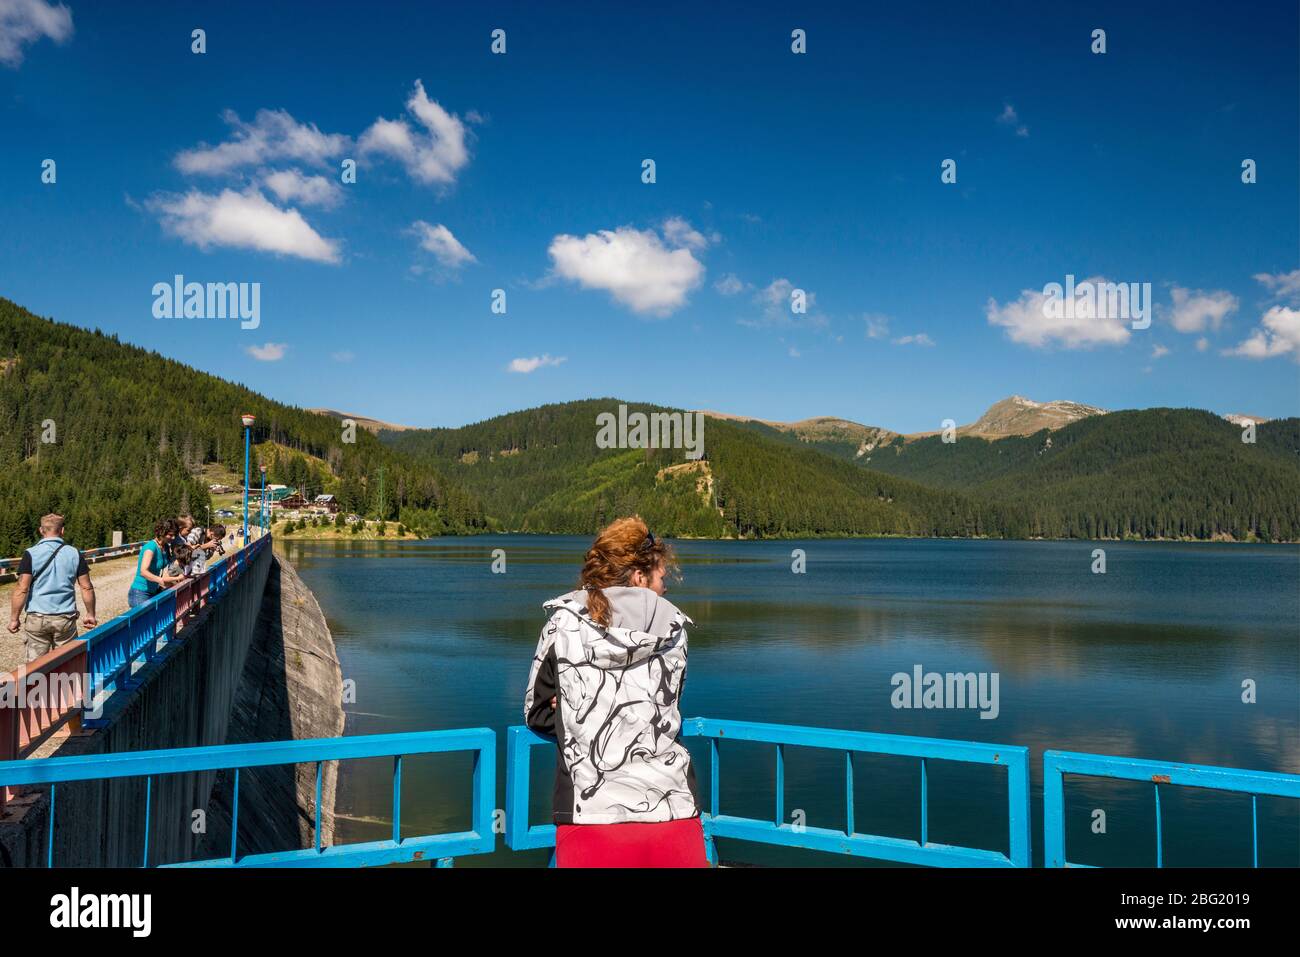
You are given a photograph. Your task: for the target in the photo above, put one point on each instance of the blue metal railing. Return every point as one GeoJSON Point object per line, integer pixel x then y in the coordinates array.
{"type": "Point", "coordinates": [434, 848]}
{"type": "Point", "coordinates": [115, 648]}
{"type": "Point", "coordinates": [520, 835]}
{"type": "Point", "coordinates": [1057, 764]}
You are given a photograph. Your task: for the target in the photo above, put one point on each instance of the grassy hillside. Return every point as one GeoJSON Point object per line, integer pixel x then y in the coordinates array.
{"type": "Point", "coordinates": [135, 436]}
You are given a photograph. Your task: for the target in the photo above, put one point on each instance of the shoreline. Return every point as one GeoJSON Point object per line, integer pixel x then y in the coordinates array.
{"type": "Point", "coordinates": [280, 539]}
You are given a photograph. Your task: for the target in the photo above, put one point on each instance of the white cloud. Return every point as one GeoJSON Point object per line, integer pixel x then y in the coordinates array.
{"type": "Point", "coordinates": [1202, 344]}
{"type": "Point", "coordinates": [730, 285]}
{"type": "Point", "coordinates": [777, 301]}
{"type": "Point", "coordinates": [920, 339]}
{"type": "Point", "coordinates": [290, 185]}
{"type": "Point", "coordinates": [1009, 117]}
{"type": "Point", "coordinates": [273, 136]}
{"type": "Point", "coordinates": [245, 220]}
{"type": "Point", "coordinates": [438, 240]}
{"type": "Point", "coordinates": [28, 21]}
{"type": "Point", "coordinates": [435, 155]}
{"type": "Point", "coordinates": [776, 294]}
{"type": "Point", "coordinates": [536, 362]}
{"type": "Point", "coordinates": [1277, 334]}
{"type": "Point", "coordinates": [344, 356]}
{"type": "Point", "coordinates": [1028, 322]}
{"type": "Point", "coordinates": [1158, 351]}
{"type": "Point", "coordinates": [271, 352]}
{"type": "Point", "coordinates": [634, 266]}
{"type": "Point", "coordinates": [1197, 311]}
{"type": "Point", "coordinates": [1283, 285]}
{"type": "Point", "coordinates": [877, 325]}
{"type": "Point", "coordinates": [679, 233]}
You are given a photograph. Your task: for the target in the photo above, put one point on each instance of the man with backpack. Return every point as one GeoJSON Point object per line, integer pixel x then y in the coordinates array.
{"type": "Point", "coordinates": [46, 575]}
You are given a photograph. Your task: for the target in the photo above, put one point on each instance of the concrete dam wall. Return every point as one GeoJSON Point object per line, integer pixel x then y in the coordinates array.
{"type": "Point", "coordinates": [257, 665]}
{"type": "Point", "coordinates": [292, 687]}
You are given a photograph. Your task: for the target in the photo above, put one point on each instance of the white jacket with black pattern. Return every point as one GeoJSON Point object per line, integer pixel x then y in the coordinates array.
{"type": "Point", "coordinates": [617, 720]}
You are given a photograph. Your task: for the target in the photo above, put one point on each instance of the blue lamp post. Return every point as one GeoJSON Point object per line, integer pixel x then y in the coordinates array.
{"type": "Point", "coordinates": [248, 421]}
{"type": "Point", "coordinates": [261, 512]}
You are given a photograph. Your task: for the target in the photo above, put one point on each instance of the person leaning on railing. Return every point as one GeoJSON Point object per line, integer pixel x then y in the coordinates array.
{"type": "Point", "coordinates": [190, 532]}
{"type": "Point", "coordinates": [606, 682]}
{"type": "Point", "coordinates": [46, 575]}
{"type": "Point", "coordinates": [150, 575]}
{"type": "Point", "coordinates": [208, 546]}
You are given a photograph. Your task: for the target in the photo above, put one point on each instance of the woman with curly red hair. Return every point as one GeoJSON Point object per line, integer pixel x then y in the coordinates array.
{"type": "Point", "coordinates": [606, 682]}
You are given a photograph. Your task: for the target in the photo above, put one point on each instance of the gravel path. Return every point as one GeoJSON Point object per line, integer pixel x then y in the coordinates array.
{"type": "Point", "coordinates": [112, 579]}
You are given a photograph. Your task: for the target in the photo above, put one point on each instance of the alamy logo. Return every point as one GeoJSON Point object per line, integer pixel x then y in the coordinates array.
{"type": "Point", "coordinates": [658, 430]}
{"type": "Point", "coordinates": [75, 909]}
{"type": "Point", "coordinates": [212, 300]}
{"type": "Point", "coordinates": [1099, 300]}
{"type": "Point", "coordinates": [922, 689]}
{"type": "Point", "coordinates": [55, 691]}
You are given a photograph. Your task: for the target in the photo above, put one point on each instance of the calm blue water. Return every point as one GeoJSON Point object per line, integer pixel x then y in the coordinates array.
{"type": "Point", "coordinates": [1147, 660]}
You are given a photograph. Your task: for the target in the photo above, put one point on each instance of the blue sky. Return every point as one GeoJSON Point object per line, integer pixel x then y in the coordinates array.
{"type": "Point", "coordinates": [774, 171]}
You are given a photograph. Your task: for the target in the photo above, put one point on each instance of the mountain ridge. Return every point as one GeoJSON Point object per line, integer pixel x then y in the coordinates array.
{"type": "Point", "coordinates": [370, 425]}
{"type": "Point", "coordinates": [1014, 415]}
{"type": "Point", "coordinates": [1182, 474]}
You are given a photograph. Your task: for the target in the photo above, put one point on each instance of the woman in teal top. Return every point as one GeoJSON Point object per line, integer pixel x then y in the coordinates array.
{"type": "Point", "coordinates": [149, 578]}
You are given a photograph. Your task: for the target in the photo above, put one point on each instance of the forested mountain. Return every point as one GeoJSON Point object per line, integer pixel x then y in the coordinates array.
{"type": "Point", "coordinates": [132, 432]}
{"type": "Point", "coordinates": [1152, 473]}
{"type": "Point", "coordinates": [1156, 473]}
{"type": "Point", "coordinates": [540, 470]}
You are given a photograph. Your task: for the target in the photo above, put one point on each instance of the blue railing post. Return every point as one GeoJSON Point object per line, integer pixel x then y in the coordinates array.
{"type": "Point", "coordinates": [234, 821]}
{"type": "Point", "coordinates": [1019, 819]}
{"type": "Point", "coordinates": [780, 786]}
{"type": "Point", "coordinates": [848, 793]}
{"type": "Point", "coordinates": [397, 799]}
{"type": "Point", "coordinates": [1160, 847]}
{"type": "Point", "coordinates": [148, 802]}
{"type": "Point", "coordinates": [520, 835]}
{"type": "Point", "coordinates": [925, 808]}
{"type": "Point", "coordinates": [316, 831]}
{"type": "Point", "coordinates": [1053, 814]}
{"type": "Point", "coordinates": [485, 795]}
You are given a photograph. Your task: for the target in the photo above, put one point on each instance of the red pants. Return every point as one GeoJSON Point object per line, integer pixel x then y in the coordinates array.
{"type": "Point", "coordinates": [677, 843]}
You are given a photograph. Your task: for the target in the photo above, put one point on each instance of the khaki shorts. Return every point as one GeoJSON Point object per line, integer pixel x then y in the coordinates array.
{"type": "Point", "coordinates": [43, 633]}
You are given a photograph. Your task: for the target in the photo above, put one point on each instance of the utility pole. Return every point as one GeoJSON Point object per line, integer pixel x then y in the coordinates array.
{"type": "Point", "coordinates": [248, 429]}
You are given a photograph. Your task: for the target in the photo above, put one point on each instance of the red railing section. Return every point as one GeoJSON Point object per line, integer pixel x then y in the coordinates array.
{"type": "Point", "coordinates": [42, 696]}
